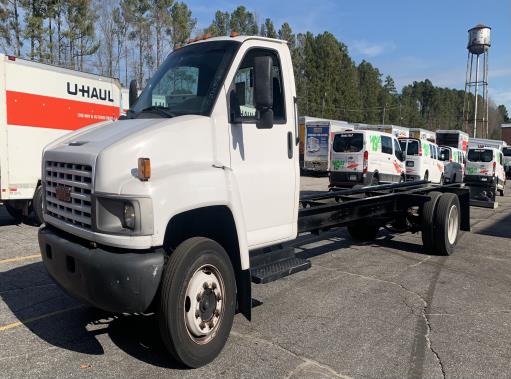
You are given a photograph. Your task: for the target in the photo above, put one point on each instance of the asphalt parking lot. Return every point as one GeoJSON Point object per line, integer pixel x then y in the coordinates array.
{"type": "Point", "coordinates": [383, 309]}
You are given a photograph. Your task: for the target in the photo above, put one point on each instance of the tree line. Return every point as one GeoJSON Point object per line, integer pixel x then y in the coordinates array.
{"type": "Point", "coordinates": [130, 39]}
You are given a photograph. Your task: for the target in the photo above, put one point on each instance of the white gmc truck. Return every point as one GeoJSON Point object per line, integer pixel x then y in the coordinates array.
{"type": "Point", "coordinates": [179, 207]}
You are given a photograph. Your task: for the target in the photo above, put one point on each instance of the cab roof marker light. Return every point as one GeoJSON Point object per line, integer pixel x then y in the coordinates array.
{"type": "Point", "coordinates": [234, 34]}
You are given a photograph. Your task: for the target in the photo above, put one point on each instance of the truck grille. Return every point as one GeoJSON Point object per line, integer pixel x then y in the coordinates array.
{"type": "Point", "coordinates": [75, 180]}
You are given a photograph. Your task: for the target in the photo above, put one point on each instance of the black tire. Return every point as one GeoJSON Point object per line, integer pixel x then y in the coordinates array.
{"type": "Point", "coordinates": [426, 176]}
{"type": "Point", "coordinates": [402, 179]}
{"type": "Point", "coordinates": [375, 180]}
{"type": "Point", "coordinates": [447, 223]}
{"type": "Point", "coordinates": [15, 213]}
{"type": "Point", "coordinates": [363, 232]}
{"type": "Point", "coordinates": [453, 179]}
{"type": "Point", "coordinates": [428, 221]}
{"type": "Point", "coordinates": [442, 179]}
{"type": "Point", "coordinates": [187, 261]}
{"type": "Point", "coordinates": [37, 205]}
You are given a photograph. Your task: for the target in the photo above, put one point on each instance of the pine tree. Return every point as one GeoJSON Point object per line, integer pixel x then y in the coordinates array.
{"type": "Point", "coordinates": [183, 24]}
{"type": "Point", "coordinates": [220, 25]}
{"type": "Point", "coordinates": [243, 22]}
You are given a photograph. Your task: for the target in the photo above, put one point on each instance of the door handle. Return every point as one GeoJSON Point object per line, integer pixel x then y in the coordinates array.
{"type": "Point", "coordinates": [289, 145]}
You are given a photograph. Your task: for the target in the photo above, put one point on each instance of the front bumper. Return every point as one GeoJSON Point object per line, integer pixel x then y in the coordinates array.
{"type": "Point", "coordinates": [115, 280]}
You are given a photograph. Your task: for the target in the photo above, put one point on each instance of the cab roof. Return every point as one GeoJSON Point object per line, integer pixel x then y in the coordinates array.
{"type": "Point", "coordinates": [237, 38]}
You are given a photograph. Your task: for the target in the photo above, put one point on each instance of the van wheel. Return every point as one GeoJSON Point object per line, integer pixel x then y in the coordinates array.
{"type": "Point", "coordinates": [447, 223]}
{"type": "Point", "coordinates": [375, 180]}
{"type": "Point", "coordinates": [14, 212]}
{"type": "Point", "coordinates": [453, 179]}
{"type": "Point", "coordinates": [426, 176]}
{"type": "Point", "coordinates": [363, 232]}
{"type": "Point", "coordinates": [197, 303]}
{"type": "Point", "coordinates": [442, 179]}
{"type": "Point", "coordinates": [501, 192]}
{"type": "Point", "coordinates": [427, 221]}
{"type": "Point", "coordinates": [37, 205]}
{"type": "Point", "coordinates": [402, 179]}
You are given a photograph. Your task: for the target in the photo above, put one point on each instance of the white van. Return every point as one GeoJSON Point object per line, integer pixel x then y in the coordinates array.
{"type": "Point", "coordinates": [422, 160]}
{"type": "Point", "coordinates": [506, 151]}
{"type": "Point", "coordinates": [485, 165]}
{"type": "Point", "coordinates": [365, 157]}
{"type": "Point", "coordinates": [454, 163]}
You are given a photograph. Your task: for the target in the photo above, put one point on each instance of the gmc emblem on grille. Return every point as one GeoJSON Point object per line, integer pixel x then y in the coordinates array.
{"type": "Point", "coordinates": [63, 193]}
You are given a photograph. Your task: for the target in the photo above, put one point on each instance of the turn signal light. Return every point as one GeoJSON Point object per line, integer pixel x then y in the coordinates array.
{"type": "Point", "coordinates": [144, 169]}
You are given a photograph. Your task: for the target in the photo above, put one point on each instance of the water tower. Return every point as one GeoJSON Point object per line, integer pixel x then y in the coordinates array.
{"type": "Point", "coordinates": [475, 112]}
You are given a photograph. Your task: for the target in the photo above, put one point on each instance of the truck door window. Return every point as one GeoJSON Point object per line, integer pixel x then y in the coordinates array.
{"type": "Point", "coordinates": [348, 142]}
{"type": "Point", "coordinates": [386, 145]}
{"type": "Point", "coordinates": [242, 90]}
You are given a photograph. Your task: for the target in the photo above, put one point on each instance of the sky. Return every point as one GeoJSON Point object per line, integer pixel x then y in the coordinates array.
{"type": "Point", "coordinates": [406, 39]}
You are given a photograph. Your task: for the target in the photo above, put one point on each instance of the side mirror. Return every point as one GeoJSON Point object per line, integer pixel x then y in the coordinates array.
{"type": "Point", "coordinates": [403, 156]}
{"type": "Point", "coordinates": [263, 91]}
{"type": "Point", "coordinates": [133, 92]}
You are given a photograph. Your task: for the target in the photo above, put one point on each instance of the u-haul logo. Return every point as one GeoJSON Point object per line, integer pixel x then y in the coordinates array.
{"type": "Point", "coordinates": [89, 92]}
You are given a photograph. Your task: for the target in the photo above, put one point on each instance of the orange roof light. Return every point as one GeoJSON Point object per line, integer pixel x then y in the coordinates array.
{"type": "Point", "coordinates": [234, 34]}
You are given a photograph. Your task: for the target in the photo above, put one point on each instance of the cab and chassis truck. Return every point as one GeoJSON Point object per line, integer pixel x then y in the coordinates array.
{"type": "Point", "coordinates": [178, 208]}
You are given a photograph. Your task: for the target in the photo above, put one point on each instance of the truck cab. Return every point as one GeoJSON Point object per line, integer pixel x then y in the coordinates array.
{"type": "Point", "coordinates": [210, 142]}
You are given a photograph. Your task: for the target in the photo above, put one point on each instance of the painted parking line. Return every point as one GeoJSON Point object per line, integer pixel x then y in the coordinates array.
{"type": "Point", "coordinates": [20, 259]}
{"type": "Point", "coordinates": [37, 318]}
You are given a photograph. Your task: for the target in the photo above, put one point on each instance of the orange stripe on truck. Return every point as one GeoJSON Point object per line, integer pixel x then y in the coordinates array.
{"type": "Point", "coordinates": [39, 111]}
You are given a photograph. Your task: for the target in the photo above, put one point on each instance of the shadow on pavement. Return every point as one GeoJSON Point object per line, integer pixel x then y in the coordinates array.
{"type": "Point", "coordinates": [30, 293]}
{"type": "Point", "coordinates": [500, 228]}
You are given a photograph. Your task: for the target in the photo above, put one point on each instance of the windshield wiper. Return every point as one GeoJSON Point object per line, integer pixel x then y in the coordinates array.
{"type": "Point", "coordinates": [158, 109]}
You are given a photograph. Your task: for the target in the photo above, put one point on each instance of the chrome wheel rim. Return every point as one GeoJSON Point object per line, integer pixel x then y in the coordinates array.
{"type": "Point", "coordinates": [204, 304]}
{"type": "Point", "coordinates": [452, 224]}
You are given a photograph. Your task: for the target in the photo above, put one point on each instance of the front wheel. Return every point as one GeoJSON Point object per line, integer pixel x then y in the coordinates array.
{"type": "Point", "coordinates": [197, 304]}
{"type": "Point", "coordinates": [38, 205]}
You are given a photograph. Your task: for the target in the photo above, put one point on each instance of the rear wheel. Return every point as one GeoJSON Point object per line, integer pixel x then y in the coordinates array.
{"type": "Point", "coordinates": [15, 213]}
{"type": "Point", "coordinates": [402, 179]}
{"type": "Point", "coordinates": [447, 223]}
{"type": "Point", "coordinates": [363, 232]}
{"type": "Point", "coordinates": [375, 180]}
{"type": "Point", "coordinates": [197, 303]}
{"type": "Point", "coordinates": [428, 221]}
{"type": "Point", "coordinates": [426, 176]}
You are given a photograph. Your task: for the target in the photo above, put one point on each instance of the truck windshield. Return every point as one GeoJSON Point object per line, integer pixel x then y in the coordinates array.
{"type": "Point", "coordinates": [445, 154]}
{"type": "Point", "coordinates": [348, 142]}
{"type": "Point", "coordinates": [480, 155]}
{"type": "Point", "coordinates": [507, 151]}
{"type": "Point", "coordinates": [187, 82]}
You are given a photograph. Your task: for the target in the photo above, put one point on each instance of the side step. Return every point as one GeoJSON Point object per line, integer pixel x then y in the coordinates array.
{"type": "Point", "coordinates": [269, 266]}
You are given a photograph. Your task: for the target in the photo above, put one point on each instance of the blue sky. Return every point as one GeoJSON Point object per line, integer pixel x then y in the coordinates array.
{"type": "Point", "coordinates": [407, 39]}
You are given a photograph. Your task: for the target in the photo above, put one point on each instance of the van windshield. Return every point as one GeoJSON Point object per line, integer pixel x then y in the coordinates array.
{"type": "Point", "coordinates": [348, 142]}
{"type": "Point", "coordinates": [445, 154]}
{"type": "Point", "coordinates": [480, 155]}
{"type": "Point", "coordinates": [507, 151]}
{"type": "Point", "coordinates": [187, 82]}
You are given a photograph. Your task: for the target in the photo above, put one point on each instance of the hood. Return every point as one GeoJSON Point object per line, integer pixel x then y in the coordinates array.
{"type": "Point", "coordinates": [114, 148]}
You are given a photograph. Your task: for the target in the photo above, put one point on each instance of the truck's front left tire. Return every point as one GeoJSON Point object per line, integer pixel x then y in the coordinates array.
{"type": "Point", "coordinates": [37, 205]}
{"type": "Point", "coordinates": [198, 299]}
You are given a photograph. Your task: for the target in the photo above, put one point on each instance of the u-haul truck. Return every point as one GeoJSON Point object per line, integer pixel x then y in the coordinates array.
{"type": "Point", "coordinates": [38, 104]}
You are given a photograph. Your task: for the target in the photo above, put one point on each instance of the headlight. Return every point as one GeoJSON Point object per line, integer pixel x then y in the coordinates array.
{"type": "Point", "coordinates": [129, 217]}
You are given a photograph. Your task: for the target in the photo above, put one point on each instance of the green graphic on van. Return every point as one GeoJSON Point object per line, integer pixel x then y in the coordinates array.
{"type": "Point", "coordinates": [425, 147]}
{"type": "Point", "coordinates": [471, 170]}
{"type": "Point", "coordinates": [338, 164]}
{"type": "Point", "coordinates": [375, 142]}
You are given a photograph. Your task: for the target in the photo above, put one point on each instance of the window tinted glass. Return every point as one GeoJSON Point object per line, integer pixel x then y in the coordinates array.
{"type": "Point", "coordinates": [189, 79]}
{"type": "Point", "coordinates": [242, 90]}
{"type": "Point", "coordinates": [412, 147]}
{"type": "Point", "coordinates": [397, 149]}
{"type": "Point", "coordinates": [431, 151]}
{"type": "Point", "coordinates": [507, 151]}
{"type": "Point", "coordinates": [386, 145]}
{"type": "Point", "coordinates": [444, 154]}
{"type": "Point", "coordinates": [480, 155]}
{"type": "Point", "coordinates": [402, 143]}
{"type": "Point", "coordinates": [348, 142]}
